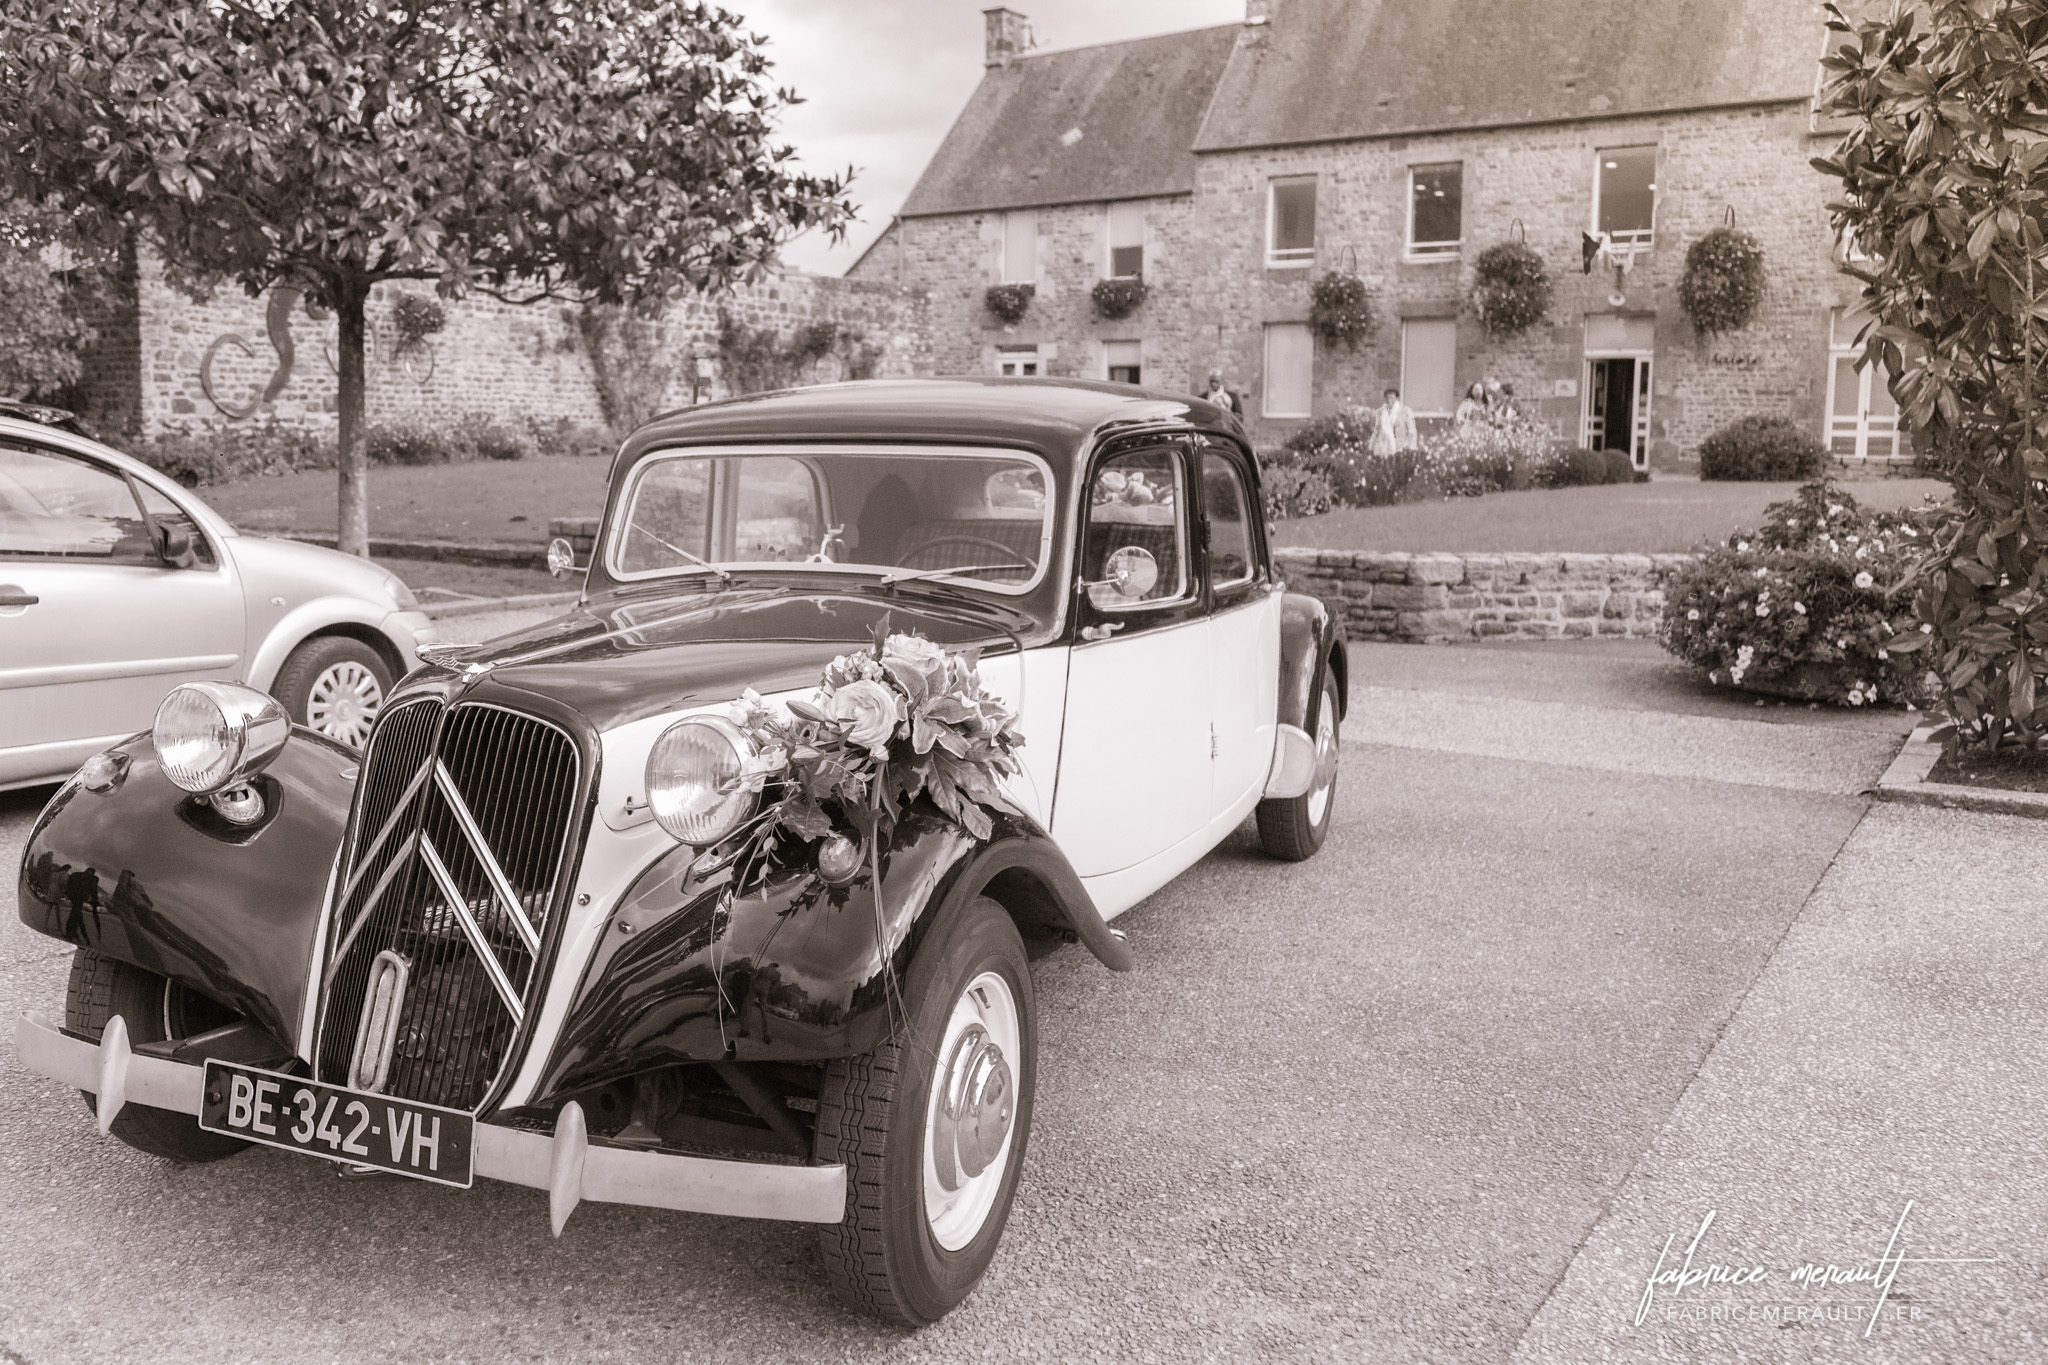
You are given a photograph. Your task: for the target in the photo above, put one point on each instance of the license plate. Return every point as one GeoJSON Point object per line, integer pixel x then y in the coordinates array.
{"type": "Point", "coordinates": [356, 1127]}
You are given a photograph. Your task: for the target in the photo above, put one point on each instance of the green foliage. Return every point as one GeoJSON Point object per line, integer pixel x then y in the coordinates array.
{"type": "Point", "coordinates": [479, 437]}
{"type": "Point", "coordinates": [758, 360]}
{"type": "Point", "coordinates": [1723, 281]}
{"type": "Point", "coordinates": [1295, 491]}
{"type": "Point", "coordinates": [416, 317]}
{"type": "Point", "coordinates": [613, 150]}
{"type": "Point", "coordinates": [631, 362]}
{"type": "Point", "coordinates": [411, 441]}
{"type": "Point", "coordinates": [1621, 468]}
{"type": "Point", "coordinates": [1945, 186]}
{"type": "Point", "coordinates": [1340, 310]}
{"type": "Point", "coordinates": [1761, 447]}
{"type": "Point", "coordinates": [207, 455]}
{"type": "Point", "coordinates": [43, 330]}
{"type": "Point", "coordinates": [1454, 462]}
{"type": "Point", "coordinates": [1008, 301]}
{"type": "Point", "coordinates": [1578, 468]}
{"type": "Point", "coordinates": [1806, 605]}
{"type": "Point", "coordinates": [1118, 296]}
{"type": "Point", "coordinates": [1511, 289]}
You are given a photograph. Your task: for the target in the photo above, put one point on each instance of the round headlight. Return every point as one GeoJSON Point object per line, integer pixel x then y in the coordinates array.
{"type": "Point", "coordinates": [693, 780]}
{"type": "Point", "coordinates": [209, 735]}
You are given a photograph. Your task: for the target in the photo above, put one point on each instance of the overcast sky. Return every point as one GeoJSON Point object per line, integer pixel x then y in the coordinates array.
{"type": "Point", "coordinates": [883, 80]}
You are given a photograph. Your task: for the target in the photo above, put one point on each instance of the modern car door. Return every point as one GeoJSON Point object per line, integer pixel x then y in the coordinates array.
{"type": "Point", "coordinates": [95, 625]}
{"type": "Point", "coordinates": [1135, 752]}
{"type": "Point", "coordinates": [1244, 632]}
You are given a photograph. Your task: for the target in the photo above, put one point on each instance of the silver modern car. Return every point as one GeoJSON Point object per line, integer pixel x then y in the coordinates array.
{"type": "Point", "coordinates": [116, 585]}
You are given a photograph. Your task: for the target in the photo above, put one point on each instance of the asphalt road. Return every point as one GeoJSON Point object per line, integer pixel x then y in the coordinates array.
{"type": "Point", "coordinates": [1366, 1107]}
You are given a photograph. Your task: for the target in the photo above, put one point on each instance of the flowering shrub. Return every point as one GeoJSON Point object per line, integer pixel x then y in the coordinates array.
{"type": "Point", "coordinates": [1292, 491]}
{"type": "Point", "coordinates": [1813, 604]}
{"type": "Point", "coordinates": [1330, 463]}
{"type": "Point", "coordinates": [1340, 309]}
{"type": "Point", "coordinates": [1723, 281]}
{"type": "Point", "coordinates": [1510, 289]}
{"type": "Point", "coordinates": [1759, 447]}
{"type": "Point", "coordinates": [1118, 296]}
{"type": "Point", "coordinates": [1008, 301]}
{"type": "Point", "coordinates": [1479, 457]}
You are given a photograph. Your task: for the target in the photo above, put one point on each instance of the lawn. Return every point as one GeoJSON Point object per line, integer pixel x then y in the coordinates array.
{"type": "Point", "coordinates": [487, 500]}
{"type": "Point", "coordinates": [1663, 516]}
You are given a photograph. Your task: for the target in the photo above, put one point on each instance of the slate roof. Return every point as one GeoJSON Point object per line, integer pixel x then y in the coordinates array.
{"type": "Point", "coordinates": [1136, 104]}
{"type": "Point", "coordinates": [1328, 70]}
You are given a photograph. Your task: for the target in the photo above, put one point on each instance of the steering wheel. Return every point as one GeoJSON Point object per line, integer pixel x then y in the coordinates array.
{"type": "Point", "coordinates": [981, 541]}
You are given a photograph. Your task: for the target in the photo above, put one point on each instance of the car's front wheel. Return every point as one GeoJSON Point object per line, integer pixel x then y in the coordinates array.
{"type": "Point", "coordinates": [932, 1125]}
{"type": "Point", "coordinates": [1293, 828]}
{"type": "Point", "coordinates": [335, 685]}
{"type": "Point", "coordinates": [154, 1008]}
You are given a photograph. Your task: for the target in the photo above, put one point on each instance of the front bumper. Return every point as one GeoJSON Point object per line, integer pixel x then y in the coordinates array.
{"type": "Point", "coordinates": [566, 1165]}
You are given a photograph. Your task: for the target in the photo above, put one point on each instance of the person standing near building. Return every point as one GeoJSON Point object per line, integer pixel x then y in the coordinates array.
{"type": "Point", "coordinates": [1472, 408]}
{"type": "Point", "coordinates": [1393, 425]}
{"type": "Point", "coordinates": [1219, 395]}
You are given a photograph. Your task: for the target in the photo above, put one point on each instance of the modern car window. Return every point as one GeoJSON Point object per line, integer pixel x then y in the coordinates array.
{"type": "Point", "coordinates": [168, 514]}
{"type": "Point", "coordinates": [56, 506]}
{"type": "Point", "coordinates": [1230, 533]}
{"type": "Point", "coordinates": [1136, 502]}
{"type": "Point", "coordinates": [981, 517]}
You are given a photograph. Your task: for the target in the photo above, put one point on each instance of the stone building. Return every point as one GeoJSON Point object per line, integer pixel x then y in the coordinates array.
{"type": "Point", "coordinates": [1395, 141]}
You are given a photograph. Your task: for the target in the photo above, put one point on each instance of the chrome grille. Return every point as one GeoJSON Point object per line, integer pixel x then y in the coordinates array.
{"type": "Point", "coordinates": [462, 833]}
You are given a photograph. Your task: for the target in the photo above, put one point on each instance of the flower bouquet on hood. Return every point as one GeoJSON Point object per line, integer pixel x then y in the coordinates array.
{"type": "Point", "coordinates": [904, 719]}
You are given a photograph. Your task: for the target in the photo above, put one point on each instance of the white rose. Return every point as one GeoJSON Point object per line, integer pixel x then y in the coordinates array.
{"type": "Point", "coordinates": [873, 710]}
{"type": "Point", "coordinates": [1693, 615]}
{"type": "Point", "coordinates": [1864, 580]}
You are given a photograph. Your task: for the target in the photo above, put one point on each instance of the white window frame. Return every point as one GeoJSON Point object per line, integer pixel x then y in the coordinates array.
{"type": "Point", "coordinates": [1034, 356]}
{"type": "Point", "coordinates": [1266, 408]}
{"type": "Point", "coordinates": [1004, 263]}
{"type": "Point", "coordinates": [1640, 238]}
{"type": "Point", "coordinates": [1408, 388]}
{"type": "Point", "coordinates": [1861, 427]}
{"type": "Point", "coordinates": [1434, 251]}
{"type": "Point", "coordinates": [1110, 361]}
{"type": "Point", "coordinates": [1292, 258]}
{"type": "Point", "coordinates": [1110, 243]}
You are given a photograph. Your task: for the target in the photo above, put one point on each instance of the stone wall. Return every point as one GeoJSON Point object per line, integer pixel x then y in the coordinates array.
{"type": "Point", "coordinates": [1439, 598]}
{"type": "Point", "coordinates": [956, 257]}
{"type": "Point", "coordinates": [492, 357]}
{"type": "Point", "coordinates": [1751, 160]}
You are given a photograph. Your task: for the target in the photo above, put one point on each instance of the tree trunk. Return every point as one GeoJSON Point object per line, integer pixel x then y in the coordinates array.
{"type": "Point", "coordinates": [352, 525]}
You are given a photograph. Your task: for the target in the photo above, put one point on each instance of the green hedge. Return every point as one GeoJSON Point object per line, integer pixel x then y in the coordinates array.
{"type": "Point", "coordinates": [1760, 447]}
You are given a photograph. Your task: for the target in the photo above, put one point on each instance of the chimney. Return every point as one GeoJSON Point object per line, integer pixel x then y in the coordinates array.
{"type": "Point", "coordinates": [1009, 36]}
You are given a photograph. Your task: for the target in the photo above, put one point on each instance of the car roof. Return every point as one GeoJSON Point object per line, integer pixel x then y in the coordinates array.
{"type": "Point", "coordinates": [1055, 416]}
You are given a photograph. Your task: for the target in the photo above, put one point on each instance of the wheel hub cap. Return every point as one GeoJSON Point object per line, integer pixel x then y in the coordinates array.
{"type": "Point", "coordinates": [975, 1110]}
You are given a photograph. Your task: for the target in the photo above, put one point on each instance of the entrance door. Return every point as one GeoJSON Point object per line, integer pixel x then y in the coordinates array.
{"type": "Point", "coordinates": [1617, 414]}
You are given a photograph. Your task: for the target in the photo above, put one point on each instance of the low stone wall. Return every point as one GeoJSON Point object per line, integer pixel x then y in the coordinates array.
{"type": "Point", "coordinates": [1438, 598]}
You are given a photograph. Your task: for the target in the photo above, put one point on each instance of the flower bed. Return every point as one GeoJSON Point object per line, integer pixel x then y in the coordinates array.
{"type": "Point", "coordinates": [1814, 604]}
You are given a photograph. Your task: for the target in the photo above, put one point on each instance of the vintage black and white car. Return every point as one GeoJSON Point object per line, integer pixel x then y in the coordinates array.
{"type": "Point", "coordinates": [595, 910]}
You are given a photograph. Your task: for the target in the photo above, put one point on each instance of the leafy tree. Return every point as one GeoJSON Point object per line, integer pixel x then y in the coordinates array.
{"type": "Point", "coordinates": [1944, 175]}
{"type": "Point", "coordinates": [41, 330]}
{"type": "Point", "coordinates": [609, 150]}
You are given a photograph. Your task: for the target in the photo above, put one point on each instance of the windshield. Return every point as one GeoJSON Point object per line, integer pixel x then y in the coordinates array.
{"type": "Point", "coordinates": [981, 516]}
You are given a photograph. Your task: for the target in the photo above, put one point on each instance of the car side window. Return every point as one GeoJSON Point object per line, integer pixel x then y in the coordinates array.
{"type": "Point", "coordinates": [1136, 549]}
{"type": "Point", "coordinates": [167, 514]}
{"type": "Point", "coordinates": [56, 506]}
{"type": "Point", "coordinates": [1230, 533]}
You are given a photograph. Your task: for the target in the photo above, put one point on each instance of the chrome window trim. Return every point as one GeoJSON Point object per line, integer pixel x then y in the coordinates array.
{"type": "Point", "coordinates": [806, 451]}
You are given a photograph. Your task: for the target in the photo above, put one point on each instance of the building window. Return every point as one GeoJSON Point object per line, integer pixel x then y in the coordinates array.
{"type": "Point", "coordinates": [1429, 365]}
{"type": "Point", "coordinates": [1625, 194]}
{"type": "Point", "coordinates": [1126, 361]}
{"type": "Point", "coordinates": [1863, 418]}
{"type": "Point", "coordinates": [1291, 221]}
{"type": "Point", "coordinates": [1435, 209]}
{"type": "Point", "coordinates": [1126, 239]}
{"type": "Point", "coordinates": [1290, 370]}
{"type": "Point", "coordinates": [1017, 362]}
{"type": "Point", "coordinates": [1020, 248]}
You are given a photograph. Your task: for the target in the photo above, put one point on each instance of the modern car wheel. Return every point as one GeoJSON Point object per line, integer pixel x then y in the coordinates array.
{"type": "Point", "coordinates": [1293, 828]}
{"type": "Point", "coordinates": [932, 1125]}
{"type": "Point", "coordinates": [154, 1008]}
{"type": "Point", "coordinates": [335, 685]}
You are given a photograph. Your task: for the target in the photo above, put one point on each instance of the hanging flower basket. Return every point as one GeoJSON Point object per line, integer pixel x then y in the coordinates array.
{"type": "Point", "coordinates": [1511, 291]}
{"type": "Point", "coordinates": [1340, 309]}
{"type": "Point", "coordinates": [416, 317]}
{"type": "Point", "coordinates": [1723, 283]}
{"type": "Point", "coordinates": [1008, 301]}
{"type": "Point", "coordinates": [1118, 297]}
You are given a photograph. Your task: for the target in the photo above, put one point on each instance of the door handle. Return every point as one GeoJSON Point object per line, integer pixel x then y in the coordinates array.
{"type": "Point", "coordinates": [11, 596]}
{"type": "Point", "coordinates": [1101, 632]}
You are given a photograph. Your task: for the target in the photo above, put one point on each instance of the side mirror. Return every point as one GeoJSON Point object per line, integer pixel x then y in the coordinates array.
{"type": "Point", "coordinates": [174, 546]}
{"type": "Point", "coordinates": [561, 556]}
{"type": "Point", "coordinates": [1132, 572]}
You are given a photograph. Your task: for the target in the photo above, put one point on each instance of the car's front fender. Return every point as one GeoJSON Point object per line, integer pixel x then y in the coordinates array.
{"type": "Point", "coordinates": [152, 876]}
{"type": "Point", "coordinates": [789, 970]}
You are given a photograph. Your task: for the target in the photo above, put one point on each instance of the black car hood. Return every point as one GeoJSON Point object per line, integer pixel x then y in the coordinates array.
{"type": "Point", "coordinates": [621, 658]}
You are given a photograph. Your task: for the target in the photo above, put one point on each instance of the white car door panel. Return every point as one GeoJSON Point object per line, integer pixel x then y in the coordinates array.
{"type": "Point", "coordinates": [1245, 686]}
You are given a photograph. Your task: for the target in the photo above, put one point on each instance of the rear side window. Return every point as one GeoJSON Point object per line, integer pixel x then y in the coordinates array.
{"type": "Point", "coordinates": [1230, 532]}
{"type": "Point", "coordinates": [56, 506]}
